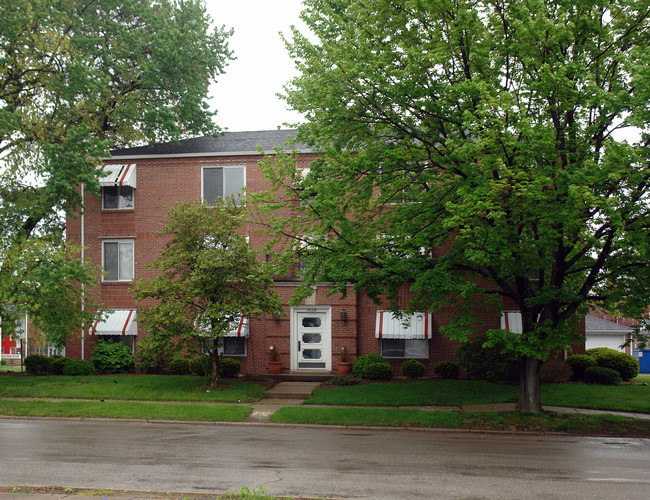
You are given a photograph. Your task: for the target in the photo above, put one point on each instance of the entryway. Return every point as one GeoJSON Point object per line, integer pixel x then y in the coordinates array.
{"type": "Point", "coordinates": [311, 335]}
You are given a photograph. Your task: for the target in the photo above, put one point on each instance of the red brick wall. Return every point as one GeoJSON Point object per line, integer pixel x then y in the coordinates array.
{"type": "Point", "coordinates": [163, 183]}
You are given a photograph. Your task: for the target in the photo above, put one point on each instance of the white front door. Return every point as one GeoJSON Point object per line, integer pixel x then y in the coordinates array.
{"type": "Point", "coordinates": [311, 338]}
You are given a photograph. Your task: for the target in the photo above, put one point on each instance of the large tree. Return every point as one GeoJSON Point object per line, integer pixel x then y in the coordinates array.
{"type": "Point", "coordinates": [207, 279]}
{"type": "Point", "coordinates": [475, 150]}
{"type": "Point", "coordinates": [78, 77]}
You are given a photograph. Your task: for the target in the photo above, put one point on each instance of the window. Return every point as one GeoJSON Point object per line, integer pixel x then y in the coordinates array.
{"type": "Point", "coordinates": [117, 197]}
{"type": "Point", "coordinates": [118, 260]}
{"type": "Point", "coordinates": [404, 348]}
{"type": "Point", "coordinates": [219, 182]}
{"type": "Point", "coordinates": [404, 335]}
{"type": "Point", "coordinates": [233, 346]}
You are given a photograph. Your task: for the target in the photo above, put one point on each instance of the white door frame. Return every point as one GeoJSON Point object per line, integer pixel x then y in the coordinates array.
{"type": "Point", "coordinates": [326, 313]}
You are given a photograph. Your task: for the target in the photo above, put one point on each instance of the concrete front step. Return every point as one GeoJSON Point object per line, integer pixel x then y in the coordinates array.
{"type": "Point", "coordinates": [292, 390]}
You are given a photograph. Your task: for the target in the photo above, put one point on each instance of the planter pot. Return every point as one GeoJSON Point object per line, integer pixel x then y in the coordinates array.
{"type": "Point", "coordinates": [275, 367]}
{"type": "Point", "coordinates": [343, 368]}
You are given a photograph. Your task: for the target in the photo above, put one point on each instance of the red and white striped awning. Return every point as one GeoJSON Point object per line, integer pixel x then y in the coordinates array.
{"type": "Point", "coordinates": [241, 330]}
{"type": "Point", "coordinates": [120, 322]}
{"type": "Point", "coordinates": [414, 326]}
{"type": "Point", "coordinates": [118, 175]}
{"type": "Point", "coordinates": [511, 321]}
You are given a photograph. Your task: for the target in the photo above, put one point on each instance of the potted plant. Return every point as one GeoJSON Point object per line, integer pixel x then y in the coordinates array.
{"type": "Point", "coordinates": [344, 366]}
{"type": "Point", "coordinates": [274, 363]}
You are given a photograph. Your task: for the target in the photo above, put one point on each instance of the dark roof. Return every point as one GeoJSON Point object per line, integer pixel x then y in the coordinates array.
{"type": "Point", "coordinates": [594, 324]}
{"type": "Point", "coordinates": [229, 142]}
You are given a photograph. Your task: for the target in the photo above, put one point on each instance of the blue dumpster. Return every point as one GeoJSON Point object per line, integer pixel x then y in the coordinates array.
{"type": "Point", "coordinates": [644, 360]}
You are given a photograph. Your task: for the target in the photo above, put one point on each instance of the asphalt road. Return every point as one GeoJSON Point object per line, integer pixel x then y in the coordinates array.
{"type": "Point", "coordinates": [320, 462]}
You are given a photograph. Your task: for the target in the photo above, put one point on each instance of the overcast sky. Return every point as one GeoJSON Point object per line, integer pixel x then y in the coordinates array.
{"type": "Point", "coordinates": [245, 96]}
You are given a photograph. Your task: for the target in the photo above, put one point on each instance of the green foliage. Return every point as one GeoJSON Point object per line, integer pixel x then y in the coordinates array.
{"type": "Point", "coordinates": [378, 371]}
{"type": "Point", "coordinates": [555, 371]}
{"type": "Point", "coordinates": [362, 362]}
{"type": "Point", "coordinates": [469, 152]}
{"type": "Point", "coordinates": [155, 352]}
{"type": "Point", "coordinates": [79, 79]}
{"type": "Point", "coordinates": [58, 364]}
{"type": "Point", "coordinates": [412, 369]}
{"type": "Point", "coordinates": [602, 376]}
{"type": "Point", "coordinates": [626, 365]}
{"type": "Point", "coordinates": [486, 362]}
{"type": "Point", "coordinates": [579, 363]}
{"type": "Point", "coordinates": [3, 362]}
{"type": "Point", "coordinates": [112, 357]}
{"type": "Point", "coordinates": [206, 277]}
{"type": "Point", "coordinates": [79, 367]}
{"type": "Point", "coordinates": [180, 366]}
{"type": "Point", "coordinates": [447, 369]}
{"type": "Point", "coordinates": [201, 365]}
{"type": "Point", "coordinates": [37, 364]}
{"type": "Point", "coordinates": [229, 368]}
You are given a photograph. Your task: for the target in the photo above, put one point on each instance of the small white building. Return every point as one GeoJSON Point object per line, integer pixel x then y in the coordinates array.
{"type": "Point", "coordinates": [603, 333]}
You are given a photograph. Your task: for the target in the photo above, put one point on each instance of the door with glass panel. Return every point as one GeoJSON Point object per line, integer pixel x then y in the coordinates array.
{"type": "Point", "coordinates": [311, 339]}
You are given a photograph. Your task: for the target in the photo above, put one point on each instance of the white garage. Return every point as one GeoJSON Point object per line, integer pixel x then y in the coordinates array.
{"type": "Point", "coordinates": [603, 333]}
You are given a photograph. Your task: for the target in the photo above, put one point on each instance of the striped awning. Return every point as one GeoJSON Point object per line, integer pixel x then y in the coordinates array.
{"type": "Point", "coordinates": [119, 322]}
{"type": "Point", "coordinates": [511, 321]}
{"type": "Point", "coordinates": [414, 326]}
{"type": "Point", "coordinates": [118, 175]}
{"type": "Point", "coordinates": [241, 330]}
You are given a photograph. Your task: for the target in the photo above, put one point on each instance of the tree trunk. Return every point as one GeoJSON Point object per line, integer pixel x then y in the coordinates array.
{"type": "Point", "coordinates": [529, 398]}
{"type": "Point", "coordinates": [214, 379]}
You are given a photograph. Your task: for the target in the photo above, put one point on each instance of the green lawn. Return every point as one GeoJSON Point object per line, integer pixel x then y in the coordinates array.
{"type": "Point", "coordinates": [129, 387]}
{"type": "Point", "coordinates": [126, 409]}
{"type": "Point", "coordinates": [465, 392]}
{"type": "Point", "coordinates": [392, 417]}
{"type": "Point", "coordinates": [417, 393]}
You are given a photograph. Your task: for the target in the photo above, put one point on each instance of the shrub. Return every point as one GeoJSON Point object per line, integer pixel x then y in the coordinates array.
{"type": "Point", "coordinates": [601, 375]}
{"type": "Point", "coordinates": [79, 367]}
{"type": "Point", "coordinates": [156, 352]}
{"type": "Point", "coordinates": [112, 357]}
{"type": "Point", "coordinates": [412, 368]}
{"type": "Point", "coordinates": [180, 366]}
{"type": "Point", "coordinates": [555, 371]}
{"type": "Point", "coordinates": [57, 364]}
{"type": "Point", "coordinates": [486, 363]}
{"type": "Point", "coordinates": [378, 371]}
{"type": "Point", "coordinates": [579, 363]}
{"type": "Point", "coordinates": [229, 368]}
{"type": "Point", "coordinates": [362, 362]}
{"type": "Point", "coordinates": [201, 365]}
{"type": "Point", "coordinates": [627, 366]}
{"type": "Point", "coordinates": [447, 369]}
{"type": "Point", "coordinates": [37, 364]}
{"type": "Point", "coordinates": [3, 362]}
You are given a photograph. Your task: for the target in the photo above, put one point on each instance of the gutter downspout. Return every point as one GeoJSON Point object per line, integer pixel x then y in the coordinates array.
{"type": "Point", "coordinates": [83, 256]}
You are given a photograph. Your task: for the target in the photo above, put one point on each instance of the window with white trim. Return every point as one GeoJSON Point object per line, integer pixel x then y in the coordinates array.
{"type": "Point", "coordinates": [219, 182]}
{"type": "Point", "coordinates": [404, 348]}
{"type": "Point", "coordinates": [117, 260]}
{"type": "Point", "coordinates": [404, 335]}
{"type": "Point", "coordinates": [117, 197]}
{"type": "Point", "coordinates": [511, 321]}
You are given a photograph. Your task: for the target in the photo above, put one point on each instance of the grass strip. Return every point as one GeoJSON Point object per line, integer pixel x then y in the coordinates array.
{"type": "Point", "coordinates": [416, 393]}
{"type": "Point", "coordinates": [635, 398]}
{"type": "Point", "coordinates": [125, 409]}
{"type": "Point", "coordinates": [129, 387]}
{"type": "Point", "coordinates": [606, 425]}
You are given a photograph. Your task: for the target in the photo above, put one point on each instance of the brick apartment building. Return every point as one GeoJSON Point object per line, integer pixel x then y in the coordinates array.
{"type": "Point", "coordinates": [121, 231]}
